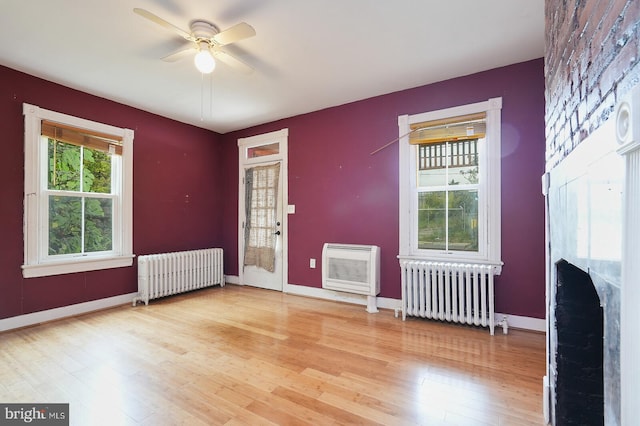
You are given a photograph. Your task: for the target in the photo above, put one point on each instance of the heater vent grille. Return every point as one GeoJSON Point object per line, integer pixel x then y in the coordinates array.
{"type": "Point", "coordinates": [348, 270]}
{"type": "Point", "coordinates": [351, 268]}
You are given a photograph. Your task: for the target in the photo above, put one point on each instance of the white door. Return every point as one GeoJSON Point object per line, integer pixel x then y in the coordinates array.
{"type": "Point", "coordinates": [262, 224]}
{"type": "Point", "coordinates": [262, 254]}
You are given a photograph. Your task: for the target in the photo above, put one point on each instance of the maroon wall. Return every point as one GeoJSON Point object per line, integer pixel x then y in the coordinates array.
{"type": "Point", "coordinates": [177, 203]}
{"type": "Point", "coordinates": [344, 194]}
{"type": "Point", "coordinates": [186, 188]}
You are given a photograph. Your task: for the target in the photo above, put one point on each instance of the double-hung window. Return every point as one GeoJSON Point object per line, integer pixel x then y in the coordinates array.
{"type": "Point", "coordinates": [78, 194]}
{"type": "Point", "coordinates": [450, 184]}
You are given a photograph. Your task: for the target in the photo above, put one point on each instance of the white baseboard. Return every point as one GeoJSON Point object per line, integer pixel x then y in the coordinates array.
{"type": "Point", "coordinates": [232, 279]}
{"type": "Point", "coordinates": [357, 299]}
{"type": "Point", "coordinates": [514, 321]}
{"type": "Point", "coordinates": [64, 311]}
{"type": "Point", "coordinates": [525, 323]}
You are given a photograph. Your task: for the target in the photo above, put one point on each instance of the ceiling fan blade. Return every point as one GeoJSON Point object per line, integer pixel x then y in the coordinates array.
{"type": "Point", "coordinates": [233, 34]}
{"type": "Point", "coordinates": [179, 54]}
{"type": "Point", "coordinates": [153, 18]}
{"type": "Point", "coordinates": [232, 61]}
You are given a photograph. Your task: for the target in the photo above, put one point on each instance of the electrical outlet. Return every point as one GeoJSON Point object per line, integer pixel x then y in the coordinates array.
{"type": "Point", "coordinates": [312, 263]}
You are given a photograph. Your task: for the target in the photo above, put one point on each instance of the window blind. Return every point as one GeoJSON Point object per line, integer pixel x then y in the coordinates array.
{"type": "Point", "coordinates": [463, 127]}
{"type": "Point", "coordinates": [82, 137]}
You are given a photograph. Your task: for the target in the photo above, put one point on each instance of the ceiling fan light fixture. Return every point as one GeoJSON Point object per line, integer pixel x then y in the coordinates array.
{"type": "Point", "coordinates": [204, 60]}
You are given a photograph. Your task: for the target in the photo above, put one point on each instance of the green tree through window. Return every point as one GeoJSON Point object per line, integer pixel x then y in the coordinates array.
{"type": "Point", "coordinates": [80, 201]}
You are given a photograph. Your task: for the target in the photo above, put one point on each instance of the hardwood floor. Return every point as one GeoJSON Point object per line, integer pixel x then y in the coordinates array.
{"type": "Point", "coordinates": [240, 355]}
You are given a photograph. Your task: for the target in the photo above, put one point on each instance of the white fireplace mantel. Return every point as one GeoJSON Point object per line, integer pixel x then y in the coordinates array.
{"type": "Point", "coordinates": [593, 211]}
{"type": "Point", "coordinates": [627, 128]}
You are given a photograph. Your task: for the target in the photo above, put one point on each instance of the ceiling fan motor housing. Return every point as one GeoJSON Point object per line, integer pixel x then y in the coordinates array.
{"type": "Point", "coordinates": [204, 31]}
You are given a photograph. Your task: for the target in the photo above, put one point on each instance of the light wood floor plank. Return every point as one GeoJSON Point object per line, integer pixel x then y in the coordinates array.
{"type": "Point", "coordinates": [240, 355]}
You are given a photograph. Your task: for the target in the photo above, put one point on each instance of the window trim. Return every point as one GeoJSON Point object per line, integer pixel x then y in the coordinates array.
{"type": "Point", "coordinates": [37, 264]}
{"type": "Point", "coordinates": [489, 250]}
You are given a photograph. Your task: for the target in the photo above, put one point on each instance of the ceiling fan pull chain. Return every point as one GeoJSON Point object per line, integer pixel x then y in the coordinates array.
{"type": "Point", "coordinates": [211, 96]}
{"type": "Point", "coordinates": [201, 97]}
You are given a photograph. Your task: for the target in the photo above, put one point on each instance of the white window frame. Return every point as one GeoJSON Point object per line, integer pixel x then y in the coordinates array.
{"type": "Point", "coordinates": [489, 209]}
{"type": "Point", "coordinates": [37, 262]}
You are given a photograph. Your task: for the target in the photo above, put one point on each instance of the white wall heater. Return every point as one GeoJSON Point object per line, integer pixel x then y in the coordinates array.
{"type": "Point", "coordinates": [166, 274]}
{"type": "Point", "coordinates": [352, 268]}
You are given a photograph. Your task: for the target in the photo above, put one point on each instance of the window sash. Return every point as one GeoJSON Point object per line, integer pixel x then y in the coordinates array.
{"type": "Point", "coordinates": [483, 209]}
{"type": "Point", "coordinates": [84, 219]}
{"type": "Point", "coordinates": [446, 211]}
{"type": "Point", "coordinates": [448, 157]}
{"type": "Point", "coordinates": [114, 169]}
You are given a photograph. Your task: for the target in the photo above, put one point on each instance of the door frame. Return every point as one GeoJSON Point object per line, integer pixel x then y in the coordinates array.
{"type": "Point", "coordinates": [281, 137]}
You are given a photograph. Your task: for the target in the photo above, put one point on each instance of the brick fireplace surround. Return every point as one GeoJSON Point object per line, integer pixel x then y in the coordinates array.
{"type": "Point", "coordinates": [592, 188]}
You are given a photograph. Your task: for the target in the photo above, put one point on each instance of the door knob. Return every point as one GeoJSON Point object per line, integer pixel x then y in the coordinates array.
{"type": "Point", "coordinates": [277, 233]}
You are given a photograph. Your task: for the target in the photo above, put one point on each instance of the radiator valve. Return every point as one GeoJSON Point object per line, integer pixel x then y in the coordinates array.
{"type": "Point", "coordinates": [504, 324]}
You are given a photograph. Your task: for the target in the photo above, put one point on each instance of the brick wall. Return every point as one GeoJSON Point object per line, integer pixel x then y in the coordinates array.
{"type": "Point", "coordinates": [592, 59]}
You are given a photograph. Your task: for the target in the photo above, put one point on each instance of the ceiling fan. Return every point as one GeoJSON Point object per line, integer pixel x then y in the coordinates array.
{"type": "Point", "coordinates": [206, 41]}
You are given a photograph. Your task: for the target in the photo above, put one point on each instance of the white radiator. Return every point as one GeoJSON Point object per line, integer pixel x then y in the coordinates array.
{"type": "Point", "coordinates": [352, 268]}
{"type": "Point", "coordinates": [462, 293]}
{"type": "Point", "coordinates": [165, 274]}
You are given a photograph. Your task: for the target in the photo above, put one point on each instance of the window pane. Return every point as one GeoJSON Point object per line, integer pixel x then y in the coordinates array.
{"type": "Point", "coordinates": [448, 163]}
{"type": "Point", "coordinates": [65, 225]}
{"type": "Point", "coordinates": [463, 220]}
{"type": "Point", "coordinates": [98, 225]}
{"type": "Point", "coordinates": [432, 162]}
{"type": "Point", "coordinates": [431, 220]}
{"type": "Point", "coordinates": [263, 150]}
{"type": "Point", "coordinates": [64, 166]}
{"type": "Point", "coordinates": [96, 171]}
{"type": "Point", "coordinates": [463, 162]}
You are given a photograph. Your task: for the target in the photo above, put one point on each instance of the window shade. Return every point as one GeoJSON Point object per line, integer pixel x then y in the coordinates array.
{"type": "Point", "coordinates": [82, 137]}
{"type": "Point", "coordinates": [463, 127]}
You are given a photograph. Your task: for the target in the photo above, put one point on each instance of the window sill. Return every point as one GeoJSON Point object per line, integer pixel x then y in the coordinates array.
{"type": "Point", "coordinates": [76, 265]}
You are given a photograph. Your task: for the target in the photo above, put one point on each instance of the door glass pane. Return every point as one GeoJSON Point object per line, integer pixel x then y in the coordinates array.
{"type": "Point", "coordinates": [98, 225]}
{"type": "Point", "coordinates": [463, 220]}
{"type": "Point", "coordinates": [65, 225]}
{"type": "Point", "coordinates": [261, 192]}
{"type": "Point", "coordinates": [432, 220]}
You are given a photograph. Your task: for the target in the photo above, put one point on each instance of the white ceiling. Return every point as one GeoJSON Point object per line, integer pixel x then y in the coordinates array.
{"type": "Point", "coordinates": [307, 54]}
